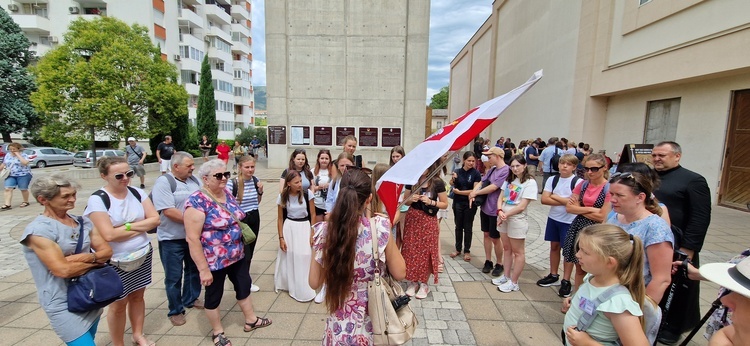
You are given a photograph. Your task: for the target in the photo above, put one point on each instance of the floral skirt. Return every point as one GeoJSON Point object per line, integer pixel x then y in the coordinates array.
{"type": "Point", "coordinates": [420, 249]}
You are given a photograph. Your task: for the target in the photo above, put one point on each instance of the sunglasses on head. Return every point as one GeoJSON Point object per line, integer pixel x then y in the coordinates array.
{"type": "Point", "coordinates": [128, 174]}
{"type": "Point", "coordinates": [225, 175]}
{"type": "Point", "coordinates": [593, 169]}
{"type": "Point", "coordinates": [624, 175]}
{"type": "Point", "coordinates": [363, 169]}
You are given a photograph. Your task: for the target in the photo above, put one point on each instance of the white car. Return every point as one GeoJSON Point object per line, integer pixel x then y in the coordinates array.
{"type": "Point", "coordinates": [83, 157]}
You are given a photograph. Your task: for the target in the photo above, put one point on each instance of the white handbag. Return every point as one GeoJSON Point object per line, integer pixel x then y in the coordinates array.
{"type": "Point", "coordinates": [4, 173]}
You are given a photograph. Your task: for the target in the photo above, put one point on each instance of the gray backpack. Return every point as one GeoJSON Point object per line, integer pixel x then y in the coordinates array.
{"type": "Point", "coordinates": [651, 313]}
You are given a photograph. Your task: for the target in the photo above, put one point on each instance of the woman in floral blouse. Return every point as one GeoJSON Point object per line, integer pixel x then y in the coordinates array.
{"type": "Point", "coordinates": [215, 241]}
{"type": "Point", "coordinates": [345, 242]}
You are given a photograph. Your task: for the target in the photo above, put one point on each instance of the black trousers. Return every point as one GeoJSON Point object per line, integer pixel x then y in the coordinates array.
{"type": "Point", "coordinates": [464, 217]}
{"type": "Point", "coordinates": [252, 219]}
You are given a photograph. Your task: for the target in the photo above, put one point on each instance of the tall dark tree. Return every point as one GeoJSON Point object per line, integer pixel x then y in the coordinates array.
{"type": "Point", "coordinates": [440, 100]}
{"type": "Point", "coordinates": [206, 112]}
{"type": "Point", "coordinates": [16, 84]}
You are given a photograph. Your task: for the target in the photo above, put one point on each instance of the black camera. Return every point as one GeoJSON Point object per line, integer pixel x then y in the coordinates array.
{"type": "Point", "coordinates": [400, 302]}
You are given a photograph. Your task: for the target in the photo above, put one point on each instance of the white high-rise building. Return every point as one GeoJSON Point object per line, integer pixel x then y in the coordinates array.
{"type": "Point", "coordinates": [185, 30]}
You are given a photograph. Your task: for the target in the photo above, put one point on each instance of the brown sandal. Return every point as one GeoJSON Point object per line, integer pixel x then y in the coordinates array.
{"type": "Point", "coordinates": [454, 254]}
{"type": "Point", "coordinates": [467, 257]}
{"type": "Point", "coordinates": [24, 205]}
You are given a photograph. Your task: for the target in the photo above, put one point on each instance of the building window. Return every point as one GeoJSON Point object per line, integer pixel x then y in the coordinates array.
{"type": "Point", "coordinates": [661, 121]}
{"type": "Point", "coordinates": [643, 2]}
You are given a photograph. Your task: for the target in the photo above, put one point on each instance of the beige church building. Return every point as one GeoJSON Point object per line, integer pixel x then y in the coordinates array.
{"type": "Point", "coordinates": [622, 71]}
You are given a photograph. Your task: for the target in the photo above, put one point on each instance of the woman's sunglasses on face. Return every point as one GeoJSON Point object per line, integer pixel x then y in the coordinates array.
{"type": "Point", "coordinates": [593, 169]}
{"type": "Point", "coordinates": [128, 174]}
{"type": "Point", "coordinates": [224, 175]}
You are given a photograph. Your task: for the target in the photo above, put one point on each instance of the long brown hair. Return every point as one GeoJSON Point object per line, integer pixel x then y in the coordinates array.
{"type": "Point", "coordinates": [608, 240]}
{"type": "Point", "coordinates": [524, 175]}
{"type": "Point", "coordinates": [285, 192]}
{"type": "Point", "coordinates": [317, 161]}
{"type": "Point", "coordinates": [305, 168]}
{"type": "Point", "coordinates": [241, 179]}
{"type": "Point", "coordinates": [343, 229]}
{"type": "Point", "coordinates": [333, 169]}
{"type": "Point", "coordinates": [377, 172]}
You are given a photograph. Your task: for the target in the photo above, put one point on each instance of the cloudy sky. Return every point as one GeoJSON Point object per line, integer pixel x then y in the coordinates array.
{"type": "Point", "coordinates": [452, 23]}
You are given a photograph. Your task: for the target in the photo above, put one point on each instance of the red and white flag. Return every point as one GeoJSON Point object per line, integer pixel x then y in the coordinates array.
{"type": "Point", "coordinates": [451, 137]}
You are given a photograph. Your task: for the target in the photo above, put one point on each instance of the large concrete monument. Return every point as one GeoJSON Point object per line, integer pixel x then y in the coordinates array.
{"type": "Point", "coordinates": [338, 67]}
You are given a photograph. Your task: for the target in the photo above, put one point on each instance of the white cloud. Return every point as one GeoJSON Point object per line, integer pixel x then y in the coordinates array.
{"type": "Point", "coordinates": [258, 32]}
{"type": "Point", "coordinates": [452, 23]}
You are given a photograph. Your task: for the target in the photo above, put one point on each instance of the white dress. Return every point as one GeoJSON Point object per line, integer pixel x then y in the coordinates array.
{"type": "Point", "coordinates": [293, 266]}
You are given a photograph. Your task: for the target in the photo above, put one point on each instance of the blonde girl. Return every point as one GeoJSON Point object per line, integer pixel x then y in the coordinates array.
{"type": "Point", "coordinates": [518, 190]}
{"type": "Point", "coordinates": [611, 257]}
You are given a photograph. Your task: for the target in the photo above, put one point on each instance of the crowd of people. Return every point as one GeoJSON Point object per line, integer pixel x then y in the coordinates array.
{"type": "Point", "coordinates": [617, 232]}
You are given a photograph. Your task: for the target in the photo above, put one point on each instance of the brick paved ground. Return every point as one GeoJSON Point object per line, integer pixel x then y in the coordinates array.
{"type": "Point", "coordinates": [463, 309]}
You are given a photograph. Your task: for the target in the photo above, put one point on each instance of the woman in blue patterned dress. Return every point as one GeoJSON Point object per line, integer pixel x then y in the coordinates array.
{"type": "Point", "coordinates": [638, 214]}
{"type": "Point", "coordinates": [345, 242]}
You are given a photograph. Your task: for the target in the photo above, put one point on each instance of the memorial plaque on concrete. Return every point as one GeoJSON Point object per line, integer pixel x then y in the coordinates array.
{"type": "Point", "coordinates": [300, 135]}
{"type": "Point", "coordinates": [368, 136]}
{"type": "Point", "coordinates": [342, 132]}
{"type": "Point", "coordinates": [323, 135]}
{"type": "Point", "coordinates": [391, 137]}
{"type": "Point", "coordinates": [277, 135]}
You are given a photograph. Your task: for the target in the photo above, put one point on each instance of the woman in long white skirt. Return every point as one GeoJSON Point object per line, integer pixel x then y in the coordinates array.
{"type": "Point", "coordinates": [295, 238]}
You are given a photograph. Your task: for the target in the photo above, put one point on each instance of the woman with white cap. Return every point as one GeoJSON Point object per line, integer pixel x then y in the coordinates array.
{"type": "Point", "coordinates": [735, 278]}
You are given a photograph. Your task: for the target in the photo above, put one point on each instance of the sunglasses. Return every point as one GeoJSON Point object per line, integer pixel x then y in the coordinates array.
{"type": "Point", "coordinates": [624, 175]}
{"type": "Point", "coordinates": [593, 169]}
{"type": "Point", "coordinates": [128, 174]}
{"type": "Point", "coordinates": [363, 169]}
{"type": "Point", "coordinates": [224, 175]}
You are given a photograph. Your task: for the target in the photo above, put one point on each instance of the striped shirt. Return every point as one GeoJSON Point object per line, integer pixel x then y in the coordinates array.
{"type": "Point", "coordinates": [249, 197]}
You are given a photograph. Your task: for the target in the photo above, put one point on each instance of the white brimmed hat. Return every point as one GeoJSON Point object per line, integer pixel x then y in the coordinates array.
{"type": "Point", "coordinates": [734, 277]}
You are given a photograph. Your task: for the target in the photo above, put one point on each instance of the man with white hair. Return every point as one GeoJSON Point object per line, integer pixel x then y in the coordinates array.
{"type": "Point", "coordinates": [169, 195]}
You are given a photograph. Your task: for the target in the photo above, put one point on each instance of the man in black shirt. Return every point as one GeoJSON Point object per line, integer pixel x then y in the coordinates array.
{"type": "Point", "coordinates": [164, 152]}
{"type": "Point", "coordinates": [688, 200]}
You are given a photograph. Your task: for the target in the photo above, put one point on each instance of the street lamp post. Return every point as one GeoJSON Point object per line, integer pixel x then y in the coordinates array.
{"type": "Point", "coordinates": [87, 54]}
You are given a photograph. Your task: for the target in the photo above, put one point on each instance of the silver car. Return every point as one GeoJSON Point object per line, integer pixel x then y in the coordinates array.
{"type": "Point", "coordinates": [41, 157]}
{"type": "Point", "coordinates": [83, 157]}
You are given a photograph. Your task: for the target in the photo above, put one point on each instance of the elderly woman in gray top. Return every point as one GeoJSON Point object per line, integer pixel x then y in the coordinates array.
{"type": "Point", "coordinates": [49, 245]}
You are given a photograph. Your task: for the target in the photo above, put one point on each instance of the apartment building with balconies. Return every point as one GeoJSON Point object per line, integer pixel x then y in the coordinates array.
{"type": "Point", "coordinates": [185, 30]}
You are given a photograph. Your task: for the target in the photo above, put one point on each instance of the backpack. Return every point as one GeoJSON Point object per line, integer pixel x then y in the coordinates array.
{"type": "Point", "coordinates": [235, 187]}
{"type": "Point", "coordinates": [556, 180]}
{"type": "Point", "coordinates": [555, 160]}
{"type": "Point", "coordinates": [651, 313]}
{"type": "Point", "coordinates": [172, 187]}
{"type": "Point", "coordinates": [307, 207]}
{"type": "Point", "coordinates": [105, 197]}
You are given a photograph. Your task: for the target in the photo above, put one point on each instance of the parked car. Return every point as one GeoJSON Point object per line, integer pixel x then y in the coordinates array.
{"type": "Point", "coordinates": [41, 157]}
{"type": "Point", "coordinates": [83, 157]}
{"type": "Point", "coordinates": [4, 148]}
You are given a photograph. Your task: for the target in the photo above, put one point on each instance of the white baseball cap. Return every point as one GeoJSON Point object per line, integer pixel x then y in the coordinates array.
{"type": "Point", "coordinates": [131, 139]}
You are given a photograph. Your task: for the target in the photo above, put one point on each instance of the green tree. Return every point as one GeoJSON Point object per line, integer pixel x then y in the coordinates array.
{"type": "Point", "coordinates": [247, 134]}
{"type": "Point", "coordinates": [206, 112]}
{"type": "Point", "coordinates": [122, 87]}
{"type": "Point", "coordinates": [440, 100]}
{"type": "Point", "coordinates": [16, 84]}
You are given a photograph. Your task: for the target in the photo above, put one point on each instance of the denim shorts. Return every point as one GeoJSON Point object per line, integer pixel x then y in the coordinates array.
{"type": "Point", "coordinates": [22, 182]}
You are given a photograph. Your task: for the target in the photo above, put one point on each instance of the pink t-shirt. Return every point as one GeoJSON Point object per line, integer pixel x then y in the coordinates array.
{"type": "Point", "coordinates": [591, 194]}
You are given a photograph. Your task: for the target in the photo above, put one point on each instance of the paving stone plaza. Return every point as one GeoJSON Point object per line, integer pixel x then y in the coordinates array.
{"type": "Point", "coordinates": [463, 309]}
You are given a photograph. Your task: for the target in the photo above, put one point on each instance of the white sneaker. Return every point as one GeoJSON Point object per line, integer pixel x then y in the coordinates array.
{"type": "Point", "coordinates": [411, 288]}
{"type": "Point", "coordinates": [254, 288]}
{"type": "Point", "coordinates": [321, 296]}
{"type": "Point", "coordinates": [508, 286]}
{"type": "Point", "coordinates": [499, 281]}
{"type": "Point", "coordinates": [423, 291]}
